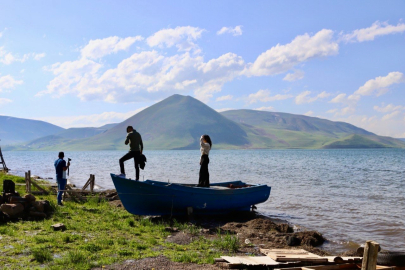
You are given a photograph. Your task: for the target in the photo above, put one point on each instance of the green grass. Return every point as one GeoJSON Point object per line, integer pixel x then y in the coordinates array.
{"type": "Point", "coordinates": [98, 234]}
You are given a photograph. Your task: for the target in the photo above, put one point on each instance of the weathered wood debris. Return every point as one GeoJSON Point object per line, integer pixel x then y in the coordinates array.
{"type": "Point", "coordinates": [300, 259]}
{"type": "Point", "coordinates": [12, 205]}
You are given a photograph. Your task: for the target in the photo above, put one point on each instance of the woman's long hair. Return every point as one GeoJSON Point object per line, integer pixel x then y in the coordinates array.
{"type": "Point", "coordinates": [207, 139]}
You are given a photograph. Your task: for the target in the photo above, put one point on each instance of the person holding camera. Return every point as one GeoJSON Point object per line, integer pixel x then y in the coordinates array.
{"type": "Point", "coordinates": [206, 144]}
{"type": "Point", "coordinates": [134, 140]}
{"type": "Point", "coordinates": [61, 167]}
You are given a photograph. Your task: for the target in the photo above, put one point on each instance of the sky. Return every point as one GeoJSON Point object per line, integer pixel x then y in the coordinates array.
{"type": "Point", "coordinates": [90, 63]}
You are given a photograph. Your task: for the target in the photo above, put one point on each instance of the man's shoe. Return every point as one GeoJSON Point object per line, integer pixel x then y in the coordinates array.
{"type": "Point", "coordinates": [121, 175]}
{"type": "Point", "coordinates": [60, 204]}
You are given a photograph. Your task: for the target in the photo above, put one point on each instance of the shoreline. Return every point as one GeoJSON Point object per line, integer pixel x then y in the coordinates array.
{"type": "Point", "coordinates": [195, 240]}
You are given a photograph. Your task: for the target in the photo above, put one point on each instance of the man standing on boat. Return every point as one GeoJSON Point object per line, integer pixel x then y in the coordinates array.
{"type": "Point", "coordinates": [136, 147]}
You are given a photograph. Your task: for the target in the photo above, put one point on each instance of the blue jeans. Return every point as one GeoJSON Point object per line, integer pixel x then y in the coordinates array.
{"type": "Point", "coordinates": [61, 186]}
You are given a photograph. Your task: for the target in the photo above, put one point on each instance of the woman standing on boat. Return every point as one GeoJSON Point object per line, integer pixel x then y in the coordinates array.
{"type": "Point", "coordinates": [206, 144]}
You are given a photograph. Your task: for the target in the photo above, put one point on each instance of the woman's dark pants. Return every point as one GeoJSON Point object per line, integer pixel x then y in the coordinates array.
{"type": "Point", "coordinates": [131, 154]}
{"type": "Point", "coordinates": [204, 174]}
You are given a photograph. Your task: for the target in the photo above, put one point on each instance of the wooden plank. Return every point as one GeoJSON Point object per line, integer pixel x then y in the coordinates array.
{"type": "Point", "coordinates": [324, 267]}
{"type": "Point", "coordinates": [248, 260]}
{"type": "Point", "coordinates": [87, 183]}
{"type": "Point", "coordinates": [345, 259]}
{"type": "Point", "coordinates": [370, 256]}
{"type": "Point", "coordinates": [292, 255]}
{"type": "Point", "coordinates": [76, 191]}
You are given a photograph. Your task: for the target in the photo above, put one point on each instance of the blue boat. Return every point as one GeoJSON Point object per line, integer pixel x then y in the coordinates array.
{"type": "Point", "coordinates": [161, 198]}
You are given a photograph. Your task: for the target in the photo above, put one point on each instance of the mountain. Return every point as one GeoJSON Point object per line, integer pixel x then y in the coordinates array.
{"type": "Point", "coordinates": [178, 122]}
{"type": "Point", "coordinates": [174, 123]}
{"type": "Point", "coordinates": [284, 130]}
{"type": "Point", "coordinates": [402, 139]}
{"type": "Point", "coordinates": [17, 130]}
{"type": "Point", "coordinates": [81, 133]}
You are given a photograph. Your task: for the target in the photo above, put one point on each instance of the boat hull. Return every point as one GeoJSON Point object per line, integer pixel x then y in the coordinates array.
{"type": "Point", "coordinates": [158, 198]}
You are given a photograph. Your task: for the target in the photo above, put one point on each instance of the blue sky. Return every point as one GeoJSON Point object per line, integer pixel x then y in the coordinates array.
{"type": "Point", "coordinates": [89, 63]}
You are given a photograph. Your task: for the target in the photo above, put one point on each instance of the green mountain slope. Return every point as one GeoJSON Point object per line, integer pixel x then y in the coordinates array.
{"type": "Point", "coordinates": [354, 141]}
{"type": "Point", "coordinates": [284, 130]}
{"type": "Point", "coordinates": [86, 132]}
{"type": "Point", "coordinates": [17, 130]}
{"type": "Point", "coordinates": [174, 123]}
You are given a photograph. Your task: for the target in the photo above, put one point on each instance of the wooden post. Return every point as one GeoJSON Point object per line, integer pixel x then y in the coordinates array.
{"type": "Point", "coordinates": [370, 256]}
{"type": "Point", "coordinates": [5, 169]}
{"type": "Point", "coordinates": [93, 179]}
{"type": "Point", "coordinates": [87, 183]}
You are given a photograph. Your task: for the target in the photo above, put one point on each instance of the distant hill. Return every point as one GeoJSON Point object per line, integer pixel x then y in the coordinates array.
{"type": "Point", "coordinates": [17, 130]}
{"type": "Point", "coordinates": [284, 130]}
{"type": "Point", "coordinates": [86, 132]}
{"type": "Point", "coordinates": [402, 139]}
{"type": "Point", "coordinates": [354, 141]}
{"type": "Point", "coordinates": [178, 122]}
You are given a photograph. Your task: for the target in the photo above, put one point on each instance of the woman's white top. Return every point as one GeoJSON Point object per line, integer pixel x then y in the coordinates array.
{"type": "Point", "coordinates": [205, 147]}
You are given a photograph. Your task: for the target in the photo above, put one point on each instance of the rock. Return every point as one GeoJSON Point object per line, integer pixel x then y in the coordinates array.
{"type": "Point", "coordinates": [247, 241]}
{"type": "Point", "coordinates": [310, 238]}
{"type": "Point", "coordinates": [12, 209]}
{"type": "Point", "coordinates": [293, 241]}
{"type": "Point", "coordinates": [115, 197]}
{"type": "Point", "coordinates": [58, 227]}
{"type": "Point", "coordinates": [170, 229]}
{"type": "Point", "coordinates": [37, 214]}
{"type": "Point", "coordinates": [360, 251]}
{"type": "Point", "coordinates": [39, 206]}
{"type": "Point", "coordinates": [112, 194]}
{"type": "Point", "coordinates": [16, 199]}
{"type": "Point", "coordinates": [30, 198]}
{"type": "Point", "coordinates": [284, 228]}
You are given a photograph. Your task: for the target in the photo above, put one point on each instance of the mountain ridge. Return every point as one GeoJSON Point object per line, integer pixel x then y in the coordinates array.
{"type": "Point", "coordinates": [178, 121]}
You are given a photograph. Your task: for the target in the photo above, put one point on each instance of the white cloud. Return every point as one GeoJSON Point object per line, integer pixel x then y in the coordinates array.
{"type": "Point", "coordinates": [305, 98]}
{"type": "Point", "coordinates": [223, 98]}
{"type": "Point", "coordinates": [281, 58]}
{"type": "Point", "coordinates": [309, 113]}
{"type": "Point", "coordinates": [269, 108]}
{"type": "Point", "coordinates": [264, 96]}
{"type": "Point", "coordinates": [8, 58]}
{"type": "Point", "coordinates": [224, 109]}
{"type": "Point", "coordinates": [341, 98]}
{"type": "Point", "coordinates": [5, 101]}
{"type": "Point", "coordinates": [376, 29]}
{"type": "Point", "coordinates": [92, 120]}
{"type": "Point", "coordinates": [380, 85]}
{"type": "Point", "coordinates": [236, 31]}
{"type": "Point", "coordinates": [182, 37]}
{"type": "Point", "coordinates": [147, 75]}
{"type": "Point", "coordinates": [297, 75]}
{"type": "Point", "coordinates": [394, 127]}
{"type": "Point", "coordinates": [8, 82]}
{"type": "Point", "coordinates": [38, 56]}
{"type": "Point", "coordinates": [388, 108]}
{"type": "Point", "coordinates": [332, 111]}
{"type": "Point", "coordinates": [99, 48]}
{"type": "Point", "coordinates": [391, 115]}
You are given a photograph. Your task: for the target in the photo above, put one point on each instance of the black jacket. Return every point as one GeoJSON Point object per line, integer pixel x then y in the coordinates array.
{"type": "Point", "coordinates": [142, 161]}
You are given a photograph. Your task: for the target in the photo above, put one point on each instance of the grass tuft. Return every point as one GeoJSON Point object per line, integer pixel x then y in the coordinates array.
{"type": "Point", "coordinates": [42, 255]}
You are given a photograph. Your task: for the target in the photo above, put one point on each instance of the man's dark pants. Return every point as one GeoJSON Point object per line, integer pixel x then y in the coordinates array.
{"type": "Point", "coordinates": [61, 186]}
{"type": "Point", "coordinates": [131, 154]}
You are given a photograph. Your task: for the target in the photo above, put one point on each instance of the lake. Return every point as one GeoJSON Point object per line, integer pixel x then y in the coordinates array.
{"type": "Point", "coordinates": [350, 196]}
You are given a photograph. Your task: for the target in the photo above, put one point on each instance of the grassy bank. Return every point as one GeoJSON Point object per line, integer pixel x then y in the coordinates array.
{"type": "Point", "coordinates": [98, 234]}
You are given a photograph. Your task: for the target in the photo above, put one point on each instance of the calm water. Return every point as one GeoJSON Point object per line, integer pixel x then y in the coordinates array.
{"type": "Point", "coordinates": [348, 195]}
